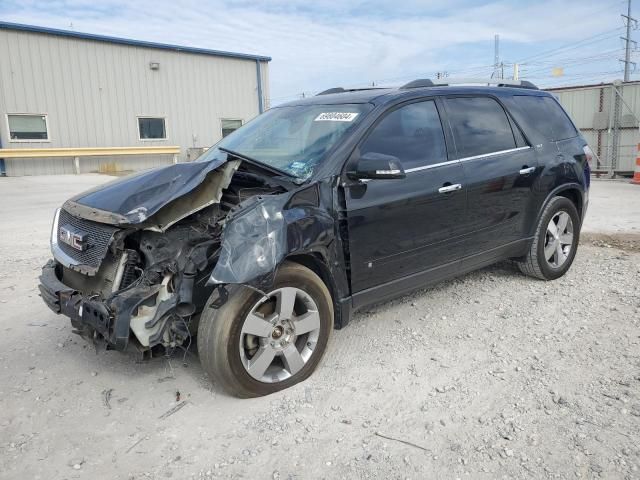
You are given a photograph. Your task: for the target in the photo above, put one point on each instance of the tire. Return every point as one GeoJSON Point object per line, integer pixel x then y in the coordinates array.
{"type": "Point", "coordinates": [535, 263]}
{"type": "Point", "coordinates": [223, 337]}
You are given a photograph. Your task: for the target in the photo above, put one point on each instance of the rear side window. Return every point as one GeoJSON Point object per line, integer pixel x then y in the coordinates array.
{"type": "Point", "coordinates": [545, 115]}
{"type": "Point", "coordinates": [560, 123]}
{"type": "Point", "coordinates": [480, 125]}
{"type": "Point", "coordinates": [412, 133]}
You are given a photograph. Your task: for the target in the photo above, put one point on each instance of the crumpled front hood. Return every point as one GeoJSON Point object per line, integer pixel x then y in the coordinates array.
{"type": "Point", "coordinates": [155, 199]}
{"type": "Point", "coordinates": [135, 198]}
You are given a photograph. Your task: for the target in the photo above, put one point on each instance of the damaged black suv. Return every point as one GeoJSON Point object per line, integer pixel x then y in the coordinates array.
{"type": "Point", "coordinates": [316, 208]}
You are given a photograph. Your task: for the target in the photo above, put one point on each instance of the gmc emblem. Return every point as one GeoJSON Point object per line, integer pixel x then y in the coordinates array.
{"type": "Point", "coordinates": [74, 238]}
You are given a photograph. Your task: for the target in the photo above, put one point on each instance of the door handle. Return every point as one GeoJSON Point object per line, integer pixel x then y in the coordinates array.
{"type": "Point", "coordinates": [527, 170]}
{"type": "Point", "coordinates": [450, 188]}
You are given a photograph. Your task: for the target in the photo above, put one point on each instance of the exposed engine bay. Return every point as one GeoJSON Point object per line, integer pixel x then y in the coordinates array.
{"type": "Point", "coordinates": [144, 266]}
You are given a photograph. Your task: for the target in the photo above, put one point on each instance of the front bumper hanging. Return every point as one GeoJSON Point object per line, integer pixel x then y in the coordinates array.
{"type": "Point", "coordinates": [111, 319]}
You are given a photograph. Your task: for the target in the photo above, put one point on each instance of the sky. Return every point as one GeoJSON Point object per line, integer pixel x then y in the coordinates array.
{"type": "Point", "coordinates": [319, 44]}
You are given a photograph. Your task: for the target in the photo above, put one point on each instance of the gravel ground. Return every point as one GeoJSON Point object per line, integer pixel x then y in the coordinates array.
{"type": "Point", "coordinates": [491, 375]}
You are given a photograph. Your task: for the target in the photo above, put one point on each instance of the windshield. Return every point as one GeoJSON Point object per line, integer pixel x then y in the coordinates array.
{"type": "Point", "coordinates": [294, 139]}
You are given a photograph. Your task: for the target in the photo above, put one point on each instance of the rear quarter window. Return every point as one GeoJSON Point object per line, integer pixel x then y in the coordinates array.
{"type": "Point", "coordinates": [545, 116]}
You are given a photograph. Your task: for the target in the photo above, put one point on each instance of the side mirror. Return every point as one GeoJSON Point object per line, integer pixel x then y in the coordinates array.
{"type": "Point", "coordinates": [376, 165]}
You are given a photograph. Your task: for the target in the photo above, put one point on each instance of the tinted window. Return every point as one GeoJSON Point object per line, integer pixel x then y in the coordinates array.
{"type": "Point", "coordinates": [560, 123]}
{"type": "Point", "coordinates": [479, 125]}
{"type": "Point", "coordinates": [545, 116]}
{"type": "Point", "coordinates": [534, 114]}
{"type": "Point", "coordinates": [412, 133]}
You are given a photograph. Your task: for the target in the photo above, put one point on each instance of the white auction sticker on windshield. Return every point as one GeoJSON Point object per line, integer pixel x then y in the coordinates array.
{"type": "Point", "coordinates": [336, 117]}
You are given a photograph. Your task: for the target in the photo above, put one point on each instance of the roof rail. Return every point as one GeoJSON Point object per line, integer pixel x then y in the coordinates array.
{"type": "Point", "coordinates": [343, 90]}
{"type": "Point", "coordinates": [500, 82]}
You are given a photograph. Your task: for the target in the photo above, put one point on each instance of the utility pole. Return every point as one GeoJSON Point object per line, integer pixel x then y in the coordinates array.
{"type": "Point", "coordinates": [616, 95]}
{"type": "Point", "coordinates": [613, 146]}
{"type": "Point", "coordinates": [496, 57]}
{"type": "Point", "coordinates": [627, 55]}
{"type": "Point", "coordinates": [516, 71]}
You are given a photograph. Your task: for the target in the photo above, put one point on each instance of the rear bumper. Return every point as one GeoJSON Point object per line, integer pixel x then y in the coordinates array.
{"type": "Point", "coordinates": [110, 319]}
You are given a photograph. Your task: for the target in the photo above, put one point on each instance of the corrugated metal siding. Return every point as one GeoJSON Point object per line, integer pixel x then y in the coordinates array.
{"type": "Point", "coordinates": [264, 68]}
{"type": "Point", "coordinates": [93, 92]}
{"type": "Point", "coordinates": [583, 103]}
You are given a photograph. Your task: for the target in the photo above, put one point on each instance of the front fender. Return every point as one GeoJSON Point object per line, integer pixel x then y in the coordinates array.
{"type": "Point", "coordinates": [259, 238]}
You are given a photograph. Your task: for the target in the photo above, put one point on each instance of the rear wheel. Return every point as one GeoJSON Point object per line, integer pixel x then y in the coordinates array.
{"type": "Point", "coordinates": [255, 345]}
{"type": "Point", "coordinates": [555, 243]}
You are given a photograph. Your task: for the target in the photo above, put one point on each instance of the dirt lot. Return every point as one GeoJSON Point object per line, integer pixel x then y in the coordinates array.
{"type": "Point", "coordinates": [492, 375]}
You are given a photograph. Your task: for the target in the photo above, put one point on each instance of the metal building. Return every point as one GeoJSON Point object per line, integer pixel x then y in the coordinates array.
{"type": "Point", "coordinates": [80, 102]}
{"type": "Point", "coordinates": [607, 114]}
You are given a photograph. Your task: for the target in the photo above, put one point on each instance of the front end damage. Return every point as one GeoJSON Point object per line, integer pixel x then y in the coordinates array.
{"type": "Point", "coordinates": [136, 260]}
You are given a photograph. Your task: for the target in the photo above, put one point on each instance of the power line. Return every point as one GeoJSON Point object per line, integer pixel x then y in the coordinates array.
{"type": "Point", "coordinates": [593, 76]}
{"type": "Point", "coordinates": [576, 62]}
{"type": "Point", "coordinates": [568, 49]}
{"type": "Point", "coordinates": [573, 45]}
{"type": "Point", "coordinates": [540, 59]}
{"type": "Point", "coordinates": [577, 75]}
{"type": "Point", "coordinates": [565, 60]}
{"type": "Point", "coordinates": [477, 68]}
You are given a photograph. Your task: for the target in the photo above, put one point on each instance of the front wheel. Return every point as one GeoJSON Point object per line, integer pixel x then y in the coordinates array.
{"type": "Point", "coordinates": [255, 345]}
{"type": "Point", "coordinates": [555, 243]}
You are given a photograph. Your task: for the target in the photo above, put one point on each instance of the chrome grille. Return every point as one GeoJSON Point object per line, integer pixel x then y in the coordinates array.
{"type": "Point", "coordinates": [99, 237]}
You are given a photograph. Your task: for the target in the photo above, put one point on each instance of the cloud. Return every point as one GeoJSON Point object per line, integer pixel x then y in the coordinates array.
{"type": "Point", "coordinates": [316, 45]}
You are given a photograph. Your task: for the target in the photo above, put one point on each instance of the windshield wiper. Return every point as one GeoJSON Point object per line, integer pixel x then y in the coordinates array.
{"type": "Point", "coordinates": [259, 164]}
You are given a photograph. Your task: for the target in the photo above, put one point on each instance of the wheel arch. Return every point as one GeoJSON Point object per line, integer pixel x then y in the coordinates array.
{"type": "Point", "coordinates": [315, 262]}
{"type": "Point", "coordinates": [573, 194]}
{"type": "Point", "coordinates": [572, 191]}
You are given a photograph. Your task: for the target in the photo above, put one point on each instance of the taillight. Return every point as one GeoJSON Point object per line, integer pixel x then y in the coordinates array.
{"type": "Point", "coordinates": [588, 153]}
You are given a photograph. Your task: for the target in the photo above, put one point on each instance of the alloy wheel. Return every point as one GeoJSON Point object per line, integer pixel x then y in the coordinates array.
{"type": "Point", "coordinates": [559, 239]}
{"type": "Point", "coordinates": [279, 335]}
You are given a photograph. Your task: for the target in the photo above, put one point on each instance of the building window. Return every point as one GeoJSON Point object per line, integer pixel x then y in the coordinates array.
{"type": "Point", "coordinates": [151, 128]}
{"type": "Point", "coordinates": [229, 126]}
{"type": "Point", "coordinates": [27, 128]}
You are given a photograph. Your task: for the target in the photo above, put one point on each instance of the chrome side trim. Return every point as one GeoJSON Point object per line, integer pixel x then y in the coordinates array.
{"type": "Point", "coordinates": [426, 167]}
{"type": "Point", "coordinates": [465, 159]}
{"type": "Point", "coordinates": [500, 152]}
{"type": "Point", "coordinates": [60, 255]}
